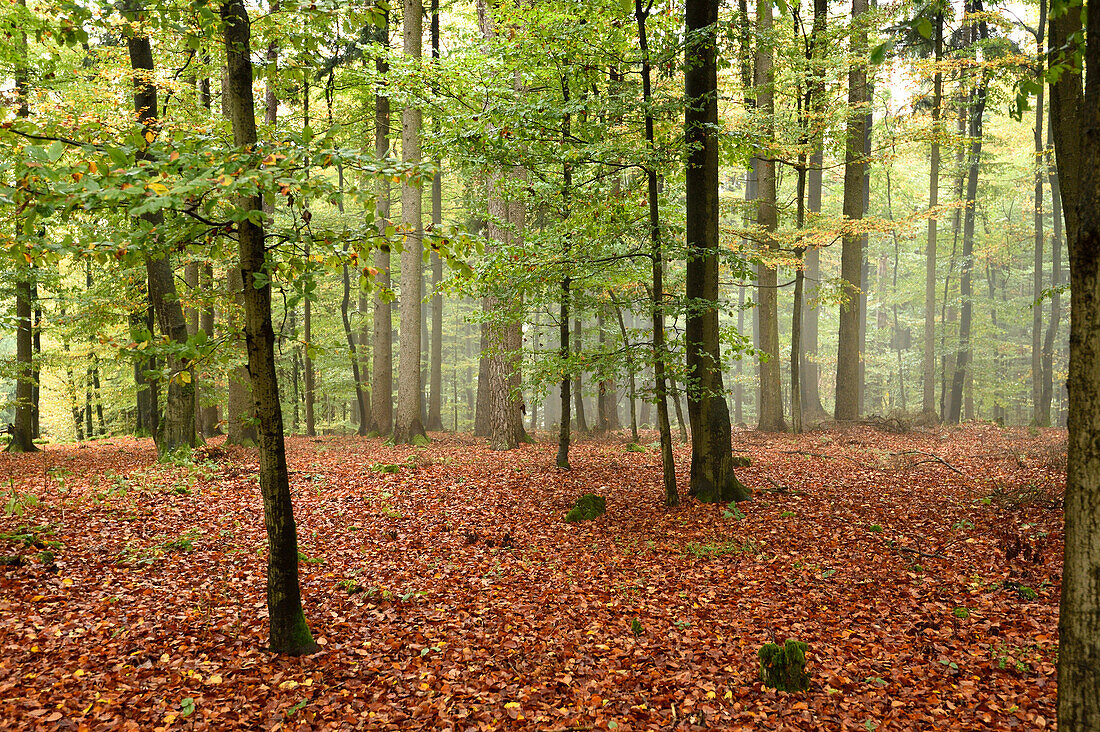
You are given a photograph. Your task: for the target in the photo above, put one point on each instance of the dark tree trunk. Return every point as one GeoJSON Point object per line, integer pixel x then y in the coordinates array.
{"type": "Point", "coordinates": [288, 632]}
{"type": "Point", "coordinates": [962, 358]}
{"type": "Point", "coordinates": [562, 459]}
{"type": "Point", "coordinates": [1037, 214]}
{"type": "Point", "coordinates": [382, 346]}
{"type": "Point", "coordinates": [712, 476]}
{"type": "Point", "coordinates": [22, 436]}
{"type": "Point", "coordinates": [928, 356]}
{"type": "Point", "coordinates": [1075, 127]}
{"type": "Point", "coordinates": [1056, 297]}
{"type": "Point", "coordinates": [578, 391]}
{"type": "Point", "coordinates": [435, 379]}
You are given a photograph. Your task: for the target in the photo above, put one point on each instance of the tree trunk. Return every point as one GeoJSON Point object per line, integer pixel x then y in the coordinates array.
{"type": "Point", "coordinates": [928, 356]}
{"type": "Point", "coordinates": [1056, 297]}
{"type": "Point", "coordinates": [210, 418]}
{"type": "Point", "coordinates": [962, 358]}
{"type": "Point", "coordinates": [1037, 213]}
{"type": "Point", "coordinates": [177, 427]}
{"type": "Point", "coordinates": [578, 391]}
{"type": "Point", "coordinates": [407, 424]}
{"type": "Point", "coordinates": [851, 257]}
{"type": "Point", "coordinates": [288, 632]}
{"type": "Point", "coordinates": [770, 412]}
{"type": "Point", "coordinates": [22, 436]}
{"type": "Point", "coordinates": [241, 427]}
{"type": "Point", "coordinates": [712, 475]}
{"type": "Point", "coordinates": [562, 459]}
{"type": "Point", "coordinates": [382, 346]}
{"type": "Point", "coordinates": [435, 403]}
{"type": "Point", "coordinates": [1075, 127]}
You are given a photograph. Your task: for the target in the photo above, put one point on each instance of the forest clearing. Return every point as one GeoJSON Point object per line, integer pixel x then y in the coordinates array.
{"type": "Point", "coordinates": [447, 592]}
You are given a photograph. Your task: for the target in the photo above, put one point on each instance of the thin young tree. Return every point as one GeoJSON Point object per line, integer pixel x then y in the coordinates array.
{"type": "Point", "coordinates": [287, 632]}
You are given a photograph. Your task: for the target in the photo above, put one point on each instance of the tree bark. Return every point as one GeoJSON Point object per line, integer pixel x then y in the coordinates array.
{"type": "Point", "coordinates": [851, 257]}
{"type": "Point", "coordinates": [928, 355]}
{"type": "Point", "coordinates": [962, 357]}
{"type": "Point", "coordinates": [382, 345]}
{"type": "Point", "coordinates": [435, 386]}
{"type": "Point", "coordinates": [288, 632]}
{"type": "Point", "coordinates": [712, 476]}
{"type": "Point", "coordinates": [1037, 213]}
{"type": "Point", "coordinates": [770, 412]}
{"type": "Point", "coordinates": [176, 429]}
{"type": "Point", "coordinates": [407, 424]}
{"type": "Point", "coordinates": [1075, 127]}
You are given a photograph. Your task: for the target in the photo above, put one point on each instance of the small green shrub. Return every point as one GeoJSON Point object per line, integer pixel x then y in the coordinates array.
{"type": "Point", "coordinates": [876, 528]}
{"type": "Point", "coordinates": [784, 667]}
{"type": "Point", "coordinates": [636, 627]}
{"type": "Point", "coordinates": [634, 447]}
{"type": "Point", "coordinates": [587, 507]}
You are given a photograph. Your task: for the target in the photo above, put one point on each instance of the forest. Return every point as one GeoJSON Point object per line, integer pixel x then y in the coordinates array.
{"type": "Point", "coordinates": [465, 364]}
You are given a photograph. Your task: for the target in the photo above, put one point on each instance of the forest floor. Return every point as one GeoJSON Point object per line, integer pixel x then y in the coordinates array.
{"type": "Point", "coordinates": [446, 590]}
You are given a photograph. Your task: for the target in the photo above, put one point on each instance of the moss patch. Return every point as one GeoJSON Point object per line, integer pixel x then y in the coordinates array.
{"type": "Point", "coordinates": [741, 461]}
{"type": "Point", "coordinates": [784, 667]}
{"type": "Point", "coordinates": [587, 507]}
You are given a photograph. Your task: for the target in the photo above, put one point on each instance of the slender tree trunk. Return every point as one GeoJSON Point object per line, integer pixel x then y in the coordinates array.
{"type": "Point", "coordinates": [578, 391]}
{"type": "Point", "coordinates": [435, 403]}
{"type": "Point", "coordinates": [770, 413]}
{"type": "Point", "coordinates": [177, 428]}
{"type": "Point", "coordinates": [851, 258]}
{"type": "Point", "coordinates": [1056, 297]}
{"type": "Point", "coordinates": [288, 632]}
{"type": "Point", "coordinates": [712, 475]}
{"type": "Point", "coordinates": [962, 358]}
{"type": "Point", "coordinates": [382, 348]}
{"type": "Point", "coordinates": [22, 437]}
{"type": "Point", "coordinates": [562, 459]}
{"type": "Point", "coordinates": [309, 386]}
{"type": "Point", "coordinates": [407, 424]}
{"type": "Point", "coordinates": [1037, 213]}
{"type": "Point", "coordinates": [928, 356]}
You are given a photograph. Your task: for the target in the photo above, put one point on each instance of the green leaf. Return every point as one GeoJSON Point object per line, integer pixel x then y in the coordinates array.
{"type": "Point", "coordinates": [878, 54]}
{"type": "Point", "coordinates": [57, 149]}
{"type": "Point", "coordinates": [924, 27]}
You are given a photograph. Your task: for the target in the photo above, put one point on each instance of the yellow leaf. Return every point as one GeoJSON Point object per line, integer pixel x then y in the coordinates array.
{"type": "Point", "coordinates": [170, 717]}
{"type": "Point", "coordinates": [711, 695]}
{"type": "Point", "coordinates": [185, 377]}
{"type": "Point", "coordinates": [92, 167]}
{"type": "Point", "coordinates": [66, 582]}
{"type": "Point", "coordinates": [512, 705]}
{"type": "Point", "coordinates": [159, 188]}
{"type": "Point", "coordinates": [34, 649]}
{"type": "Point", "coordinates": [149, 136]}
{"type": "Point", "coordinates": [288, 685]}
{"type": "Point", "coordinates": [215, 679]}
{"type": "Point", "coordinates": [426, 686]}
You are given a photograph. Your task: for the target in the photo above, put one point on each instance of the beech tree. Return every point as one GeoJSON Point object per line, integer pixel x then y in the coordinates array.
{"type": "Point", "coordinates": [712, 476]}
{"type": "Point", "coordinates": [287, 632]}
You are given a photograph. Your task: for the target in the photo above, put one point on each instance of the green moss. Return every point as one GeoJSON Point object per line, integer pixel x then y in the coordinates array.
{"type": "Point", "coordinates": [634, 447]}
{"type": "Point", "coordinates": [421, 441]}
{"type": "Point", "coordinates": [741, 461]}
{"type": "Point", "coordinates": [784, 667]}
{"type": "Point", "coordinates": [587, 507]}
{"type": "Point", "coordinates": [291, 636]}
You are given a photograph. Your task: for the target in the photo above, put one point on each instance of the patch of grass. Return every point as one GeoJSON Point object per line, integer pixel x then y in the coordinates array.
{"type": "Point", "coordinates": [875, 528]}
{"type": "Point", "coordinates": [787, 514]}
{"type": "Point", "coordinates": [634, 447]}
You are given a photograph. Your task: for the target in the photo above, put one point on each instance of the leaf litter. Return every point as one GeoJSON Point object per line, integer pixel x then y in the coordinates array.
{"type": "Point", "coordinates": [448, 592]}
